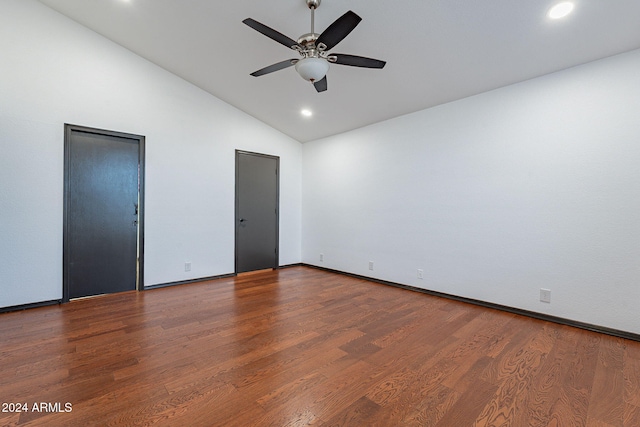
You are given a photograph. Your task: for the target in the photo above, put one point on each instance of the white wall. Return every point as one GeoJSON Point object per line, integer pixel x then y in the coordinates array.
{"type": "Point", "coordinates": [494, 196]}
{"type": "Point", "coordinates": [55, 71]}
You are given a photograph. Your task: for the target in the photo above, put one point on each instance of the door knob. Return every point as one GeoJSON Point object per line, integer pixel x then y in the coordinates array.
{"type": "Point", "coordinates": [242, 220]}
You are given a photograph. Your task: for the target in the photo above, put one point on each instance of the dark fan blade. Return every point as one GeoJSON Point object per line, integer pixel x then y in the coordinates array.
{"type": "Point", "coordinates": [274, 67]}
{"type": "Point", "coordinates": [357, 61]}
{"type": "Point", "coordinates": [321, 85]}
{"type": "Point", "coordinates": [271, 33]}
{"type": "Point", "coordinates": [337, 31]}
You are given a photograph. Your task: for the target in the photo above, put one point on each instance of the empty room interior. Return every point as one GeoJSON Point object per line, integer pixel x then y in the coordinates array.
{"type": "Point", "coordinates": [437, 225]}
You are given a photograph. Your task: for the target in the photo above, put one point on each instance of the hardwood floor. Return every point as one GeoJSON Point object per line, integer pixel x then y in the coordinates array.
{"type": "Point", "coordinates": [300, 346]}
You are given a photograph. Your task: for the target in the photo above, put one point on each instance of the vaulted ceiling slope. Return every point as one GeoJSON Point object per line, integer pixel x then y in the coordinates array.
{"type": "Point", "coordinates": [437, 51]}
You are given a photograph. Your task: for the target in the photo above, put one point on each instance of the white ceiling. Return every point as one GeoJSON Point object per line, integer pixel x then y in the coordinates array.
{"type": "Point", "coordinates": [437, 51]}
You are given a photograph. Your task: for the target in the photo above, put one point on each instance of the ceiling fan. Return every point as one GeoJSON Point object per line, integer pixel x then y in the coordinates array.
{"type": "Point", "coordinates": [314, 48]}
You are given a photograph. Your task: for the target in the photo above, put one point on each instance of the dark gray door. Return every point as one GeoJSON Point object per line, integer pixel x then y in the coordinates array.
{"type": "Point", "coordinates": [256, 211]}
{"type": "Point", "coordinates": [102, 211]}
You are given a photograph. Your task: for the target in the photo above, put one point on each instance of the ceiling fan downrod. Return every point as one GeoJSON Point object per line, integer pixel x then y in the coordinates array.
{"type": "Point", "coordinates": [313, 5]}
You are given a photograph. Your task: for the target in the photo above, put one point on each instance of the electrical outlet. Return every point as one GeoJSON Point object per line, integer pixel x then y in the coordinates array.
{"type": "Point", "coordinates": [187, 266]}
{"type": "Point", "coordinates": [321, 257]}
{"type": "Point", "coordinates": [545, 295]}
{"type": "Point", "coordinates": [420, 273]}
{"type": "Point", "coordinates": [371, 265]}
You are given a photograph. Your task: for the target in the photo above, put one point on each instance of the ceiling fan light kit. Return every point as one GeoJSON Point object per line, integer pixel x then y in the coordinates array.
{"type": "Point", "coordinates": [312, 69]}
{"type": "Point", "coordinates": [314, 48]}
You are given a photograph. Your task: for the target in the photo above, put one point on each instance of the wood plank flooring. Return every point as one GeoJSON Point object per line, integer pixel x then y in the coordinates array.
{"type": "Point", "coordinates": [301, 346]}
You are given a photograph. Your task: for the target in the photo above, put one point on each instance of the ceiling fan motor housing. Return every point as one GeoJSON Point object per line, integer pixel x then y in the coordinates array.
{"type": "Point", "coordinates": [308, 40]}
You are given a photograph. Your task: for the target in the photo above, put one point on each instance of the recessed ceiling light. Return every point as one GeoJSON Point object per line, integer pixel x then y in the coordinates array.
{"type": "Point", "coordinates": [561, 10]}
{"type": "Point", "coordinates": [306, 113]}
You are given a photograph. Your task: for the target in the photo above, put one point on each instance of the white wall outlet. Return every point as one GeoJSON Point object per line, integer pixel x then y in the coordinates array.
{"type": "Point", "coordinates": [420, 273]}
{"type": "Point", "coordinates": [371, 265]}
{"type": "Point", "coordinates": [187, 266]}
{"type": "Point", "coordinates": [321, 257]}
{"type": "Point", "coordinates": [545, 295]}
